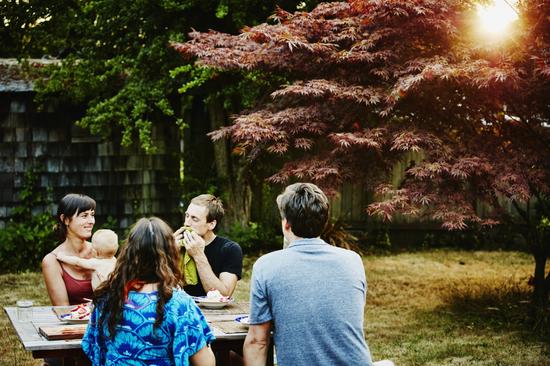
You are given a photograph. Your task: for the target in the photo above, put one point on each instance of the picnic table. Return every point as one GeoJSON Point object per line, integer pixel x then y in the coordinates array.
{"type": "Point", "coordinates": [229, 334]}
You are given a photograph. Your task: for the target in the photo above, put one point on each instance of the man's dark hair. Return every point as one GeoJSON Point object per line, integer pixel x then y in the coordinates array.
{"type": "Point", "coordinates": [305, 207]}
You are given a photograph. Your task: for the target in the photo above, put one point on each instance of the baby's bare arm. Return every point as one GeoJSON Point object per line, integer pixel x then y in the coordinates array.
{"type": "Point", "coordinates": [86, 263]}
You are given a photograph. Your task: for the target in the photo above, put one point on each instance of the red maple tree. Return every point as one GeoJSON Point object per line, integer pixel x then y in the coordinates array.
{"type": "Point", "coordinates": [371, 80]}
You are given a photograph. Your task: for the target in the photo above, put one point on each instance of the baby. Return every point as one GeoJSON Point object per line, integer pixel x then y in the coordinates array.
{"type": "Point", "coordinates": [105, 244]}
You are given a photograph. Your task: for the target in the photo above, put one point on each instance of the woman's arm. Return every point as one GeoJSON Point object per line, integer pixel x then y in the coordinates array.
{"type": "Point", "coordinates": [204, 357]}
{"type": "Point", "coordinates": [51, 271]}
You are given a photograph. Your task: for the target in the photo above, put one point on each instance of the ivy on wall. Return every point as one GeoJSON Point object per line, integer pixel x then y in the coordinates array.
{"type": "Point", "coordinates": [28, 236]}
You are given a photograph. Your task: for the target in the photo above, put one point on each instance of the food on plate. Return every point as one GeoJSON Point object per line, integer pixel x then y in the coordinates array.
{"type": "Point", "coordinates": [215, 295]}
{"type": "Point", "coordinates": [79, 312]}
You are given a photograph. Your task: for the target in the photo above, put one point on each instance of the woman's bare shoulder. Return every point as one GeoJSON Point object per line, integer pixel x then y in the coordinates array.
{"type": "Point", "coordinates": [50, 260]}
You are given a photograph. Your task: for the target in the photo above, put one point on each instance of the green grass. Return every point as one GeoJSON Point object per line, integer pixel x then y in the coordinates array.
{"type": "Point", "coordinates": [15, 287]}
{"type": "Point", "coordinates": [435, 308]}
{"type": "Point", "coordinates": [452, 308]}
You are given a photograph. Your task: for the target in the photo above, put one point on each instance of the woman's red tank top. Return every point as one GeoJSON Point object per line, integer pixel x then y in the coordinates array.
{"type": "Point", "coordinates": [77, 289]}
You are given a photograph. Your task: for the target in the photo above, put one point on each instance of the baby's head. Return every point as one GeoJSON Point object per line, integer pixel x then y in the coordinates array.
{"type": "Point", "coordinates": [105, 243]}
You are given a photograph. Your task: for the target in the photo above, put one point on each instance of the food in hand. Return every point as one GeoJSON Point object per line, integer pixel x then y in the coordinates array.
{"type": "Point", "coordinates": [188, 229]}
{"type": "Point", "coordinates": [79, 312]}
{"type": "Point", "coordinates": [215, 295]}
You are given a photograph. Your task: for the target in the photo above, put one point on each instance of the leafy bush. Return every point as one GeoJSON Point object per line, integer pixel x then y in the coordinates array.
{"type": "Point", "coordinates": [378, 236]}
{"type": "Point", "coordinates": [336, 234]}
{"type": "Point", "coordinates": [24, 244]}
{"type": "Point", "coordinates": [543, 228]}
{"type": "Point", "coordinates": [27, 237]}
{"type": "Point", "coordinates": [254, 237]}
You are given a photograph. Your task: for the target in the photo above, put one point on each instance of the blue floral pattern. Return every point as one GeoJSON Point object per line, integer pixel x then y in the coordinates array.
{"type": "Point", "coordinates": [183, 332]}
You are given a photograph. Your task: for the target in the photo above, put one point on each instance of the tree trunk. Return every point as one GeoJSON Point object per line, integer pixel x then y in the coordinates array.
{"type": "Point", "coordinates": [541, 281]}
{"type": "Point", "coordinates": [231, 172]}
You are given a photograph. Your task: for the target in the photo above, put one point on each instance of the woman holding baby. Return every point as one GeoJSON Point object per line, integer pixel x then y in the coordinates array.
{"type": "Point", "coordinates": [70, 284]}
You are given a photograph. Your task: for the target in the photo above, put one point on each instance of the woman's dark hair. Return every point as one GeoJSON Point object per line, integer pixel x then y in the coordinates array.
{"type": "Point", "coordinates": [150, 255]}
{"type": "Point", "coordinates": [70, 205]}
{"type": "Point", "coordinates": [305, 207]}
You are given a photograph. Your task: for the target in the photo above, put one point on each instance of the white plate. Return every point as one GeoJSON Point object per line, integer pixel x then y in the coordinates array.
{"type": "Point", "coordinates": [63, 313]}
{"type": "Point", "coordinates": [211, 304]}
{"type": "Point", "coordinates": [243, 320]}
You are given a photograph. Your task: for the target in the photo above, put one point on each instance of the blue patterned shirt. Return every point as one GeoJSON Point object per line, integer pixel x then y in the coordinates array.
{"type": "Point", "coordinates": [183, 333]}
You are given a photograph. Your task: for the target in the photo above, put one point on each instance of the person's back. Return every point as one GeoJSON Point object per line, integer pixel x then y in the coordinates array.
{"type": "Point", "coordinates": [311, 294]}
{"type": "Point", "coordinates": [138, 342]}
{"type": "Point", "coordinates": [317, 297]}
{"type": "Point", "coordinates": [140, 317]}
{"type": "Point", "coordinates": [103, 268]}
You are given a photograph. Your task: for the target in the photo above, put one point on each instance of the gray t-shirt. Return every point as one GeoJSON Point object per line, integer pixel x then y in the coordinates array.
{"type": "Point", "coordinates": [315, 295]}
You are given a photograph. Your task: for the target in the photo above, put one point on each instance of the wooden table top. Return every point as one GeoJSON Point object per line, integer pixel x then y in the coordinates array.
{"type": "Point", "coordinates": [28, 332]}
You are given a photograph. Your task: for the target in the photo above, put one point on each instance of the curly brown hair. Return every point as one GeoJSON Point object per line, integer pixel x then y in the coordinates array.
{"type": "Point", "coordinates": [150, 255]}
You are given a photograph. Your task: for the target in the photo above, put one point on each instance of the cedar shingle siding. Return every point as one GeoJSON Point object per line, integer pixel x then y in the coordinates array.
{"type": "Point", "coordinates": [125, 182]}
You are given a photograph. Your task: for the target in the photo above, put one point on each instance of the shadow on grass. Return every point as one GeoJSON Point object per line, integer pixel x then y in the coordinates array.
{"type": "Point", "coordinates": [496, 306]}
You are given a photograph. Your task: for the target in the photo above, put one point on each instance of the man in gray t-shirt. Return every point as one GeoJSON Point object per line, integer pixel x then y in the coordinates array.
{"type": "Point", "coordinates": [311, 294]}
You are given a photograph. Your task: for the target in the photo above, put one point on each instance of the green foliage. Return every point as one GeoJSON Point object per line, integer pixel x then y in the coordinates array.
{"type": "Point", "coordinates": [116, 54]}
{"type": "Point", "coordinates": [337, 234]}
{"type": "Point", "coordinates": [27, 236]}
{"type": "Point", "coordinates": [464, 239]}
{"type": "Point", "coordinates": [544, 223]}
{"type": "Point", "coordinates": [111, 223]}
{"type": "Point", "coordinates": [196, 76]}
{"type": "Point", "coordinates": [249, 88]}
{"type": "Point", "coordinates": [543, 229]}
{"type": "Point", "coordinates": [222, 10]}
{"type": "Point", "coordinates": [378, 236]}
{"type": "Point", "coordinates": [255, 237]}
{"type": "Point", "coordinates": [193, 187]}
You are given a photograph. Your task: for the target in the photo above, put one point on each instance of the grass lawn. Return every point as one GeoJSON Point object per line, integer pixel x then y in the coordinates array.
{"type": "Point", "coordinates": [437, 307]}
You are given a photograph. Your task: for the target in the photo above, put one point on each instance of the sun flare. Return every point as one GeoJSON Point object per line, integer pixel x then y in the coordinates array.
{"type": "Point", "coordinates": [496, 17]}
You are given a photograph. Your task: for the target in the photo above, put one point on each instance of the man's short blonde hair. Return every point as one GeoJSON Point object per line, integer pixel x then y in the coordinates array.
{"type": "Point", "coordinates": [214, 207]}
{"type": "Point", "coordinates": [105, 242]}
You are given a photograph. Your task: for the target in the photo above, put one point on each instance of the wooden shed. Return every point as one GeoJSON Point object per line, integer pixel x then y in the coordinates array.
{"type": "Point", "coordinates": [125, 182]}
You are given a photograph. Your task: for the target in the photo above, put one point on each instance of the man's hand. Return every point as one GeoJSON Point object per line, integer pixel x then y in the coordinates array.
{"type": "Point", "coordinates": [194, 244]}
{"type": "Point", "coordinates": [178, 234]}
